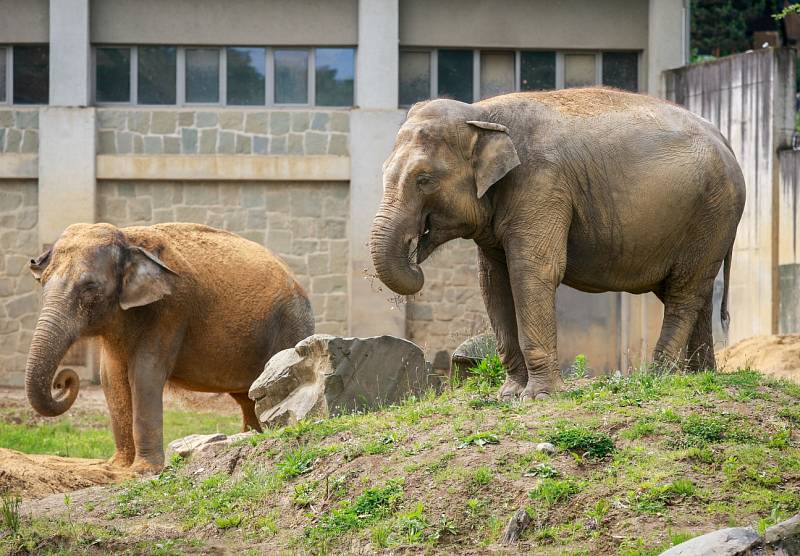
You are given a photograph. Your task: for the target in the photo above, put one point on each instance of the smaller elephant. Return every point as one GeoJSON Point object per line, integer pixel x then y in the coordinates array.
{"type": "Point", "coordinates": [201, 308]}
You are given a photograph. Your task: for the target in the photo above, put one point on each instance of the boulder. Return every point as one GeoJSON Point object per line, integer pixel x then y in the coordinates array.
{"type": "Point", "coordinates": [188, 444]}
{"type": "Point", "coordinates": [784, 536]}
{"type": "Point", "coordinates": [325, 375]}
{"type": "Point", "coordinates": [734, 541]}
{"type": "Point", "coordinates": [470, 352]}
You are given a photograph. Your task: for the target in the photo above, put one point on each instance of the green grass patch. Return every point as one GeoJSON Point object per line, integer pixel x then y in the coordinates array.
{"type": "Point", "coordinates": [582, 441]}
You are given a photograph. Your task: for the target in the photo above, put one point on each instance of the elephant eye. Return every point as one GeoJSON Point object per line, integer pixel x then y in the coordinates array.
{"type": "Point", "coordinates": [426, 183]}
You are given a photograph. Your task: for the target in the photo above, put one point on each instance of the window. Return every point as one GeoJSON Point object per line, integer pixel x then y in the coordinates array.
{"type": "Point", "coordinates": [3, 70]}
{"type": "Point", "coordinates": [30, 78]}
{"type": "Point", "coordinates": [580, 70]}
{"type": "Point", "coordinates": [291, 76]}
{"type": "Point", "coordinates": [334, 76]}
{"type": "Point", "coordinates": [537, 71]}
{"type": "Point", "coordinates": [202, 75]}
{"type": "Point", "coordinates": [113, 75]}
{"type": "Point", "coordinates": [497, 73]}
{"type": "Point", "coordinates": [455, 74]}
{"type": "Point", "coordinates": [156, 74]}
{"type": "Point", "coordinates": [415, 77]}
{"type": "Point", "coordinates": [621, 70]}
{"type": "Point", "coordinates": [246, 77]}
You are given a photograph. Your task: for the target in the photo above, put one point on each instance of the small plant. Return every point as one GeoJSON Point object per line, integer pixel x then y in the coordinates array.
{"type": "Point", "coordinates": [228, 521]}
{"type": "Point", "coordinates": [475, 509]}
{"type": "Point", "coordinates": [653, 500]}
{"type": "Point", "coordinates": [579, 369]}
{"type": "Point", "coordinates": [479, 439]}
{"type": "Point", "coordinates": [599, 510]}
{"type": "Point", "coordinates": [639, 429]}
{"type": "Point", "coordinates": [543, 470]}
{"type": "Point", "coordinates": [554, 491]}
{"type": "Point", "coordinates": [489, 373]}
{"type": "Point", "coordinates": [704, 428]}
{"type": "Point", "coordinates": [296, 462]}
{"type": "Point", "coordinates": [9, 508]}
{"type": "Point", "coordinates": [411, 527]}
{"type": "Point", "coordinates": [482, 476]}
{"type": "Point", "coordinates": [582, 441]}
{"type": "Point", "coordinates": [304, 494]}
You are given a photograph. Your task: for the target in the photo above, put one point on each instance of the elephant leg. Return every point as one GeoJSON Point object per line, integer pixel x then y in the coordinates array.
{"type": "Point", "coordinates": [151, 365]}
{"type": "Point", "coordinates": [114, 379]}
{"type": "Point", "coordinates": [683, 301]}
{"type": "Point", "coordinates": [496, 290]}
{"type": "Point", "coordinates": [248, 406]}
{"type": "Point", "coordinates": [534, 275]}
{"type": "Point", "coordinates": [700, 351]}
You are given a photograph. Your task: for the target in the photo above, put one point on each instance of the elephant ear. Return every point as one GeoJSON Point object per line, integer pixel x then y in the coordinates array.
{"type": "Point", "coordinates": [38, 264]}
{"type": "Point", "coordinates": [146, 279]}
{"type": "Point", "coordinates": [493, 156]}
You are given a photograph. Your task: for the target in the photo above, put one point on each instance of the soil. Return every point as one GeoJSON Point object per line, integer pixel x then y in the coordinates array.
{"type": "Point", "coordinates": [778, 356]}
{"type": "Point", "coordinates": [36, 476]}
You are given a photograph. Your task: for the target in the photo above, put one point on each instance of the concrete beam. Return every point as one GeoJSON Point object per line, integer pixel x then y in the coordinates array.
{"type": "Point", "coordinates": [377, 60]}
{"type": "Point", "coordinates": [667, 41]}
{"type": "Point", "coordinates": [223, 167]}
{"type": "Point", "coordinates": [66, 169]}
{"type": "Point", "coordinates": [70, 53]}
{"type": "Point", "coordinates": [19, 166]}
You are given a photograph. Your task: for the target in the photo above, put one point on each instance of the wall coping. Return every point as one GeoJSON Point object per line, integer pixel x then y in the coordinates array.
{"type": "Point", "coordinates": [223, 167]}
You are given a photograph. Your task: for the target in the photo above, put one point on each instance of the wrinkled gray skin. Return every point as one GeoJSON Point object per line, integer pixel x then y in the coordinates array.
{"type": "Point", "coordinates": [598, 189]}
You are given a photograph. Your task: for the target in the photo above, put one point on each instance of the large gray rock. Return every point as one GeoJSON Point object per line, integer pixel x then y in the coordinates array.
{"type": "Point", "coordinates": [472, 351]}
{"type": "Point", "coordinates": [327, 375]}
{"type": "Point", "coordinates": [784, 537]}
{"type": "Point", "coordinates": [735, 541]}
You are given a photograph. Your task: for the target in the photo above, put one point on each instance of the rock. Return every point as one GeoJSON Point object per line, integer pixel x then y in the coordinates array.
{"type": "Point", "coordinates": [516, 526]}
{"type": "Point", "coordinates": [470, 352]}
{"type": "Point", "coordinates": [784, 536]}
{"type": "Point", "coordinates": [545, 447]}
{"type": "Point", "coordinates": [188, 444]}
{"type": "Point", "coordinates": [325, 375]}
{"type": "Point", "coordinates": [735, 541]}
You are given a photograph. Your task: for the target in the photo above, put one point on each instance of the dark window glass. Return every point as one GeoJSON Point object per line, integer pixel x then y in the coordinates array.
{"type": "Point", "coordinates": [455, 74]}
{"type": "Point", "coordinates": [31, 74]}
{"type": "Point", "coordinates": [334, 76]}
{"type": "Point", "coordinates": [497, 73]}
{"type": "Point", "coordinates": [621, 70]}
{"type": "Point", "coordinates": [202, 75]}
{"type": "Point", "coordinates": [157, 74]}
{"type": "Point", "coordinates": [2, 74]}
{"type": "Point", "coordinates": [291, 77]}
{"type": "Point", "coordinates": [415, 77]}
{"type": "Point", "coordinates": [246, 76]}
{"type": "Point", "coordinates": [113, 75]}
{"type": "Point", "coordinates": [537, 71]}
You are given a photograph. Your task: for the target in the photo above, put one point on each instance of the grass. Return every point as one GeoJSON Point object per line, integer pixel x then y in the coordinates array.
{"type": "Point", "coordinates": [642, 463]}
{"type": "Point", "coordinates": [89, 435]}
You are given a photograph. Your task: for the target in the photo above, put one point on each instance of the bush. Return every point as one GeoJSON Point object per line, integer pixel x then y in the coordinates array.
{"type": "Point", "coordinates": [582, 441]}
{"type": "Point", "coordinates": [488, 373]}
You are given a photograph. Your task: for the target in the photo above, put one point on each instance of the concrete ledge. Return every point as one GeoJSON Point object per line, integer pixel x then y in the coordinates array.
{"type": "Point", "coordinates": [224, 167]}
{"type": "Point", "coordinates": [19, 166]}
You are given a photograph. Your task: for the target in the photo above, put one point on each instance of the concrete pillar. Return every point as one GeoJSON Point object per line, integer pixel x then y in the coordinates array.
{"type": "Point", "coordinates": [67, 127]}
{"type": "Point", "coordinates": [667, 40]}
{"type": "Point", "coordinates": [373, 126]}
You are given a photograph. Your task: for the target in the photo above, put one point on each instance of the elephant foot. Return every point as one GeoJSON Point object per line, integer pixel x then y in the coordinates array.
{"type": "Point", "coordinates": [510, 390]}
{"type": "Point", "coordinates": [120, 459]}
{"type": "Point", "coordinates": [541, 390]}
{"type": "Point", "coordinates": [144, 467]}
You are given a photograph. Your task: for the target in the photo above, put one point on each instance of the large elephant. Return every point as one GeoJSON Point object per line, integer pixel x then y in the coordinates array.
{"type": "Point", "coordinates": [595, 188]}
{"type": "Point", "coordinates": [201, 308]}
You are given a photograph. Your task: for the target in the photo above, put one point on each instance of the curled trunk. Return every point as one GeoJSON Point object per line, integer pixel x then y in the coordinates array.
{"type": "Point", "coordinates": [51, 394]}
{"type": "Point", "coordinates": [390, 243]}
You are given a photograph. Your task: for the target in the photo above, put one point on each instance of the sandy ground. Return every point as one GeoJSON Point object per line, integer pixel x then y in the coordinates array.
{"type": "Point", "coordinates": [778, 356]}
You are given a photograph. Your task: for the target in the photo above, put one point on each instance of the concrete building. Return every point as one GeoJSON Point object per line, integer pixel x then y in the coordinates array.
{"type": "Point", "coordinates": [271, 118]}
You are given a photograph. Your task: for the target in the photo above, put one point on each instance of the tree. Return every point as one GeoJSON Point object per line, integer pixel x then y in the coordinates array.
{"type": "Point", "coordinates": [722, 27]}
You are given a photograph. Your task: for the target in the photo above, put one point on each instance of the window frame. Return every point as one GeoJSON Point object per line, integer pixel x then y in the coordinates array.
{"type": "Point", "coordinates": [560, 56]}
{"type": "Point", "coordinates": [9, 59]}
{"type": "Point", "coordinates": [180, 77]}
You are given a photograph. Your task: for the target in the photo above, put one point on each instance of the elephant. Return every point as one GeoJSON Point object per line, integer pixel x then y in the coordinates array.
{"type": "Point", "coordinates": [595, 188]}
{"type": "Point", "coordinates": [200, 308]}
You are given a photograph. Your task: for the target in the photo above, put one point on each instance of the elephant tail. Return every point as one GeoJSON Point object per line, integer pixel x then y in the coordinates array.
{"type": "Point", "coordinates": [724, 316]}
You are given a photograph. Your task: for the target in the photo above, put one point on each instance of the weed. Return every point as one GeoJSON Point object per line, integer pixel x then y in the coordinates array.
{"type": "Point", "coordinates": [639, 429]}
{"type": "Point", "coordinates": [9, 508]}
{"type": "Point", "coordinates": [410, 527]}
{"type": "Point", "coordinates": [488, 374]}
{"type": "Point", "coordinates": [579, 369]}
{"type": "Point", "coordinates": [303, 494]}
{"type": "Point", "coordinates": [554, 491]}
{"type": "Point", "coordinates": [700, 455]}
{"type": "Point", "coordinates": [543, 470]}
{"type": "Point", "coordinates": [599, 510]}
{"type": "Point", "coordinates": [482, 476]}
{"type": "Point", "coordinates": [228, 521]}
{"type": "Point", "coordinates": [479, 439]}
{"type": "Point", "coordinates": [297, 462]}
{"type": "Point", "coordinates": [653, 500]}
{"type": "Point", "coordinates": [581, 440]}
{"type": "Point", "coordinates": [702, 428]}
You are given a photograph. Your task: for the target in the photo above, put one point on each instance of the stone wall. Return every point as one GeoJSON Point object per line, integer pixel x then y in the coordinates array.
{"type": "Point", "coordinates": [19, 296]}
{"type": "Point", "coordinates": [222, 131]}
{"type": "Point", "coordinates": [304, 223]}
{"type": "Point", "coordinates": [19, 131]}
{"type": "Point", "coordinates": [449, 309]}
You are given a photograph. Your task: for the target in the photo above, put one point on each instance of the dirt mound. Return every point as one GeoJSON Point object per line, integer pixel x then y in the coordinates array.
{"type": "Point", "coordinates": [34, 476]}
{"type": "Point", "coordinates": [778, 356]}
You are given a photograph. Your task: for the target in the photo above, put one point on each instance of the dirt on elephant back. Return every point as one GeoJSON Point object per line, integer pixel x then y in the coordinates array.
{"type": "Point", "coordinates": [35, 476]}
{"type": "Point", "coordinates": [778, 356]}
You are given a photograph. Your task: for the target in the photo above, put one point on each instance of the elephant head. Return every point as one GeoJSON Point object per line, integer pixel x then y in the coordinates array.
{"type": "Point", "coordinates": [88, 277]}
{"type": "Point", "coordinates": [446, 157]}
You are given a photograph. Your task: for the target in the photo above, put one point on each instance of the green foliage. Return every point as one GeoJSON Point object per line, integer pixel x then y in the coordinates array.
{"type": "Point", "coordinates": [9, 510]}
{"type": "Point", "coordinates": [544, 470]}
{"type": "Point", "coordinates": [582, 441]}
{"type": "Point", "coordinates": [488, 374]}
{"type": "Point", "coordinates": [655, 499]}
{"type": "Point", "coordinates": [579, 368]}
{"type": "Point", "coordinates": [479, 439]}
{"type": "Point", "coordinates": [790, 9]}
{"type": "Point", "coordinates": [482, 475]}
{"type": "Point", "coordinates": [723, 27]}
{"type": "Point", "coordinates": [703, 428]}
{"type": "Point", "coordinates": [297, 462]}
{"type": "Point", "coordinates": [554, 491]}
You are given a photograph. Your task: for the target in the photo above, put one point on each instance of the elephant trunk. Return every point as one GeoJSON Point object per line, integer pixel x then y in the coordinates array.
{"type": "Point", "coordinates": [51, 394]}
{"type": "Point", "coordinates": [390, 243]}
